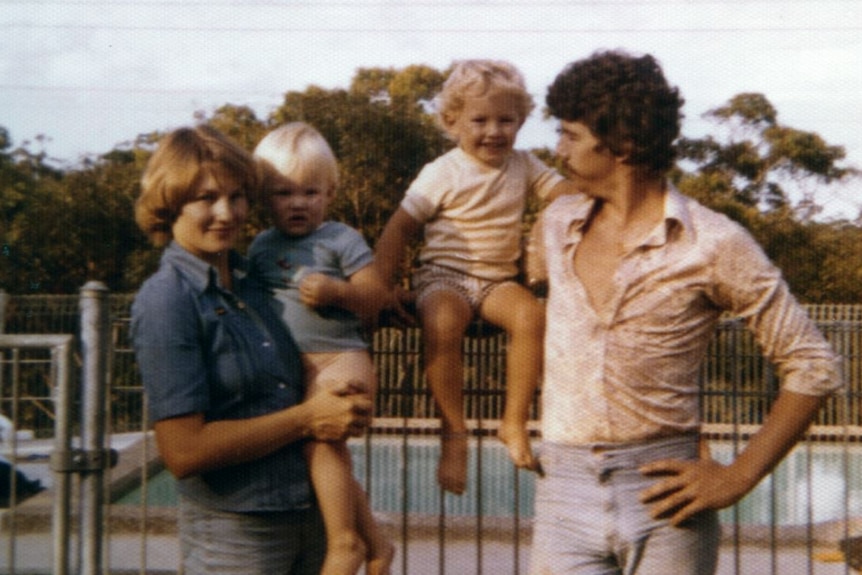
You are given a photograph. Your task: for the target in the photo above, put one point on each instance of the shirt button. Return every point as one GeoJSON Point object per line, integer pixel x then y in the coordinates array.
{"type": "Point", "coordinates": [282, 385]}
{"type": "Point", "coordinates": [266, 344]}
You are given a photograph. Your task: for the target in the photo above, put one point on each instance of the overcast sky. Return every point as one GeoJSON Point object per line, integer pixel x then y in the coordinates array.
{"type": "Point", "coordinates": [91, 74]}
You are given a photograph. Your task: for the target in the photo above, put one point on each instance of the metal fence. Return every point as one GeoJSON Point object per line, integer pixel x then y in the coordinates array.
{"type": "Point", "coordinates": [737, 383]}
{"type": "Point", "coordinates": [485, 532]}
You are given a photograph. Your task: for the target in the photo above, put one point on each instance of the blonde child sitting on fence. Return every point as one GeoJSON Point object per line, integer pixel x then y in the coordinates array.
{"type": "Point", "coordinates": [469, 203]}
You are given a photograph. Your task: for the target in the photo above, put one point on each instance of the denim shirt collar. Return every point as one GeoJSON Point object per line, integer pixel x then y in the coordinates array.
{"type": "Point", "coordinates": [201, 275]}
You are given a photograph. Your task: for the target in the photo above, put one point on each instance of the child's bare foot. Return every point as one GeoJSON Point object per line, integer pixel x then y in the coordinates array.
{"type": "Point", "coordinates": [380, 558]}
{"type": "Point", "coordinates": [516, 438]}
{"type": "Point", "coordinates": [452, 466]}
{"type": "Point", "coordinates": [344, 555]}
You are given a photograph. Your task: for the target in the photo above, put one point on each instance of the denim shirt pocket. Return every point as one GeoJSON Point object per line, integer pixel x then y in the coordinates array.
{"type": "Point", "coordinates": [227, 335]}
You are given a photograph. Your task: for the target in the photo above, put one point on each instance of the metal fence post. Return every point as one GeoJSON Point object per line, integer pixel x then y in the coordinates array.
{"type": "Point", "coordinates": [94, 457]}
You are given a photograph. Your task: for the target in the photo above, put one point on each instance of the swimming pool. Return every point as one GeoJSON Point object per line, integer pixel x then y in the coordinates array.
{"type": "Point", "coordinates": [808, 487]}
{"type": "Point", "coordinates": [403, 478]}
{"type": "Point", "coordinates": [814, 483]}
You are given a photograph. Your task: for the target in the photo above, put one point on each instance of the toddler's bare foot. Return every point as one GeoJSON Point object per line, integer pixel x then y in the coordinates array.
{"type": "Point", "coordinates": [452, 466]}
{"type": "Point", "coordinates": [344, 555]}
{"type": "Point", "coordinates": [380, 559]}
{"type": "Point", "coordinates": [516, 438]}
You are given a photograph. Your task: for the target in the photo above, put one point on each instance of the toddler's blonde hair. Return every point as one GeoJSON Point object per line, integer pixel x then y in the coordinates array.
{"type": "Point", "coordinates": [475, 78]}
{"type": "Point", "coordinates": [299, 153]}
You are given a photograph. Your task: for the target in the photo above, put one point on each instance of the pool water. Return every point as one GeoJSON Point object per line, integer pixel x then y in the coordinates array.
{"type": "Point", "coordinates": [808, 487]}
{"type": "Point", "coordinates": [399, 468]}
{"type": "Point", "coordinates": [813, 484]}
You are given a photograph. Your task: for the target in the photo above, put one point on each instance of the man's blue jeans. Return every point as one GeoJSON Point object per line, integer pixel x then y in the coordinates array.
{"type": "Point", "coordinates": [589, 520]}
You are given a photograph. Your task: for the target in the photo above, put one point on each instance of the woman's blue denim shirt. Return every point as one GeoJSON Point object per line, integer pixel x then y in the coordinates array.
{"type": "Point", "coordinates": [203, 349]}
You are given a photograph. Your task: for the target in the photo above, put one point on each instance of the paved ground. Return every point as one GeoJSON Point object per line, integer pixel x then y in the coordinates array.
{"type": "Point", "coordinates": [32, 555]}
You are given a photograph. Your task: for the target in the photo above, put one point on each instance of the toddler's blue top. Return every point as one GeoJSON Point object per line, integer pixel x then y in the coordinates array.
{"type": "Point", "coordinates": [280, 262]}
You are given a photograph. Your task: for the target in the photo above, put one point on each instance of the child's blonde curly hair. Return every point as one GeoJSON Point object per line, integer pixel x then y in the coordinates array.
{"type": "Point", "coordinates": [472, 78]}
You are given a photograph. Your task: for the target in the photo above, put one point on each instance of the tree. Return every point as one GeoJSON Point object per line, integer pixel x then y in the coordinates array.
{"type": "Point", "coordinates": [760, 159]}
{"type": "Point", "coordinates": [410, 88]}
{"type": "Point", "coordinates": [765, 175]}
{"type": "Point", "coordinates": [14, 187]}
{"type": "Point", "coordinates": [237, 122]}
{"type": "Point", "coordinates": [372, 83]}
{"type": "Point", "coordinates": [24, 176]}
{"type": "Point", "coordinates": [840, 279]}
{"type": "Point", "coordinates": [20, 170]}
{"type": "Point", "coordinates": [78, 228]}
{"type": "Point", "coordinates": [414, 88]}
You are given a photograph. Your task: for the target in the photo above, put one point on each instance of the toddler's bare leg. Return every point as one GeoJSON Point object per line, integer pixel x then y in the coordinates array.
{"type": "Point", "coordinates": [514, 308]}
{"type": "Point", "coordinates": [329, 464]}
{"type": "Point", "coordinates": [352, 534]}
{"type": "Point", "coordinates": [381, 551]}
{"type": "Point", "coordinates": [444, 317]}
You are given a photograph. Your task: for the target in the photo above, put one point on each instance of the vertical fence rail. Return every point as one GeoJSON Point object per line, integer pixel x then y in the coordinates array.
{"type": "Point", "coordinates": [63, 400]}
{"type": "Point", "coordinates": [4, 301]}
{"type": "Point", "coordinates": [15, 358]}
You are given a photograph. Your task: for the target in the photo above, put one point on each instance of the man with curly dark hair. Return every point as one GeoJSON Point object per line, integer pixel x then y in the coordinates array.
{"type": "Point", "coordinates": [639, 275]}
{"type": "Point", "coordinates": [626, 103]}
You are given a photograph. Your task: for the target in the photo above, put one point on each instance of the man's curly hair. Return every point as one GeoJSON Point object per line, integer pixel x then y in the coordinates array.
{"type": "Point", "coordinates": [627, 104]}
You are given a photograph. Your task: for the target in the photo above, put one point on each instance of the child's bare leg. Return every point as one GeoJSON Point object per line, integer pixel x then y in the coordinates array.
{"type": "Point", "coordinates": [329, 463]}
{"type": "Point", "coordinates": [514, 308]}
{"type": "Point", "coordinates": [452, 464]}
{"type": "Point", "coordinates": [444, 318]}
{"type": "Point", "coordinates": [352, 533]}
{"type": "Point", "coordinates": [381, 551]}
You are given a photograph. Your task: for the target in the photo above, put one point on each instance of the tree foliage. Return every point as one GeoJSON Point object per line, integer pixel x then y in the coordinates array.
{"type": "Point", "coordinates": [62, 227]}
{"type": "Point", "coordinates": [75, 228]}
{"type": "Point", "coordinates": [765, 176]}
{"type": "Point", "coordinates": [761, 161]}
